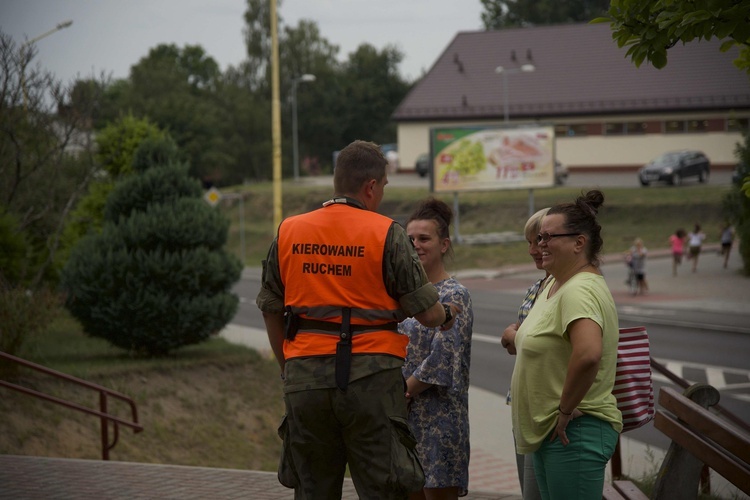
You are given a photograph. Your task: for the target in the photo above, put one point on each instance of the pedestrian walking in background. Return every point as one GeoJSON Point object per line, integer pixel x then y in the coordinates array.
{"type": "Point", "coordinates": [677, 242]}
{"type": "Point", "coordinates": [695, 241]}
{"type": "Point", "coordinates": [637, 258]}
{"type": "Point", "coordinates": [727, 238]}
{"type": "Point", "coordinates": [525, 462]}
{"type": "Point", "coordinates": [437, 364]}
{"type": "Point", "coordinates": [335, 284]}
{"type": "Point", "coordinates": [563, 408]}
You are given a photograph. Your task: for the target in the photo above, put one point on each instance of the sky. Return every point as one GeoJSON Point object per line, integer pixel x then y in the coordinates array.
{"type": "Point", "coordinates": [110, 36]}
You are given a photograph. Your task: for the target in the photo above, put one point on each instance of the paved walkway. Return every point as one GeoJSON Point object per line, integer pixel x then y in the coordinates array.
{"type": "Point", "coordinates": [492, 472]}
{"type": "Point", "coordinates": [37, 478]}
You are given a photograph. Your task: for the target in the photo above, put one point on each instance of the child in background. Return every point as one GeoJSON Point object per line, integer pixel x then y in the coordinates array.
{"type": "Point", "coordinates": [727, 237]}
{"type": "Point", "coordinates": [695, 241]}
{"type": "Point", "coordinates": [677, 241]}
{"type": "Point", "coordinates": [638, 263]}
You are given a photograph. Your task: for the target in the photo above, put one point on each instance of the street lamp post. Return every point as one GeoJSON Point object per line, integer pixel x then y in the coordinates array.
{"type": "Point", "coordinates": [295, 142]}
{"type": "Point", "coordinates": [526, 68]}
{"type": "Point", "coordinates": [57, 28]}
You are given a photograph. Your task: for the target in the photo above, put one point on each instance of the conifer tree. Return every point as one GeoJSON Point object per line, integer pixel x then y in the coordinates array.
{"type": "Point", "coordinates": [157, 277]}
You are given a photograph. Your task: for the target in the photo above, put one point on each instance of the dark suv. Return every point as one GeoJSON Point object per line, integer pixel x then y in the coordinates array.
{"type": "Point", "coordinates": [422, 165]}
{"type": "Point", "coordinates": [675, 166]}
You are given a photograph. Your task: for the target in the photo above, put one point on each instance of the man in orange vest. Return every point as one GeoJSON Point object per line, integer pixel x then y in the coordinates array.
{"type": "Point", "coordinates": [336, 283]}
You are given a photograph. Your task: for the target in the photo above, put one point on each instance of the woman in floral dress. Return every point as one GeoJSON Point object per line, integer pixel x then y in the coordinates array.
{"type": "Point", "coordinates": [437, 364]}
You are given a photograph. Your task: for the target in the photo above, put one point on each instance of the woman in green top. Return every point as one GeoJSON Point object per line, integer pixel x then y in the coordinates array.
{"type": "Point", "coordinates": [563, 408]}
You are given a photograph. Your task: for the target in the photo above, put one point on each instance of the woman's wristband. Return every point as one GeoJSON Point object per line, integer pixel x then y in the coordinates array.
{"type": "Point", "coordinates": [566, 414]}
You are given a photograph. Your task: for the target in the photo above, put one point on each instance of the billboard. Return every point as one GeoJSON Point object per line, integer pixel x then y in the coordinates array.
{"type": "Point", "coordinates": [491, 158]}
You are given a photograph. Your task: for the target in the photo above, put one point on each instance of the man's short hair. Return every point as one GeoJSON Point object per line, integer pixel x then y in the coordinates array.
{"type": "Point", "coordinates": [356, 164]}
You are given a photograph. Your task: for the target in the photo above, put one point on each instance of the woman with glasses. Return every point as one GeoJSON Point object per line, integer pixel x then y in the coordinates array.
{"type": "Point", "coordinates": [563, 408]}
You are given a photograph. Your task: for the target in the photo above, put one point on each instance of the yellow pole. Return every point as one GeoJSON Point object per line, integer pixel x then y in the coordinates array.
{"type": "Point", "coordinates": [275, 119]}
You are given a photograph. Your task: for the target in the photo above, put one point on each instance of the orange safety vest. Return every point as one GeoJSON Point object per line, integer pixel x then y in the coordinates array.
{"type": "Point", "coordinates": [331, 259]}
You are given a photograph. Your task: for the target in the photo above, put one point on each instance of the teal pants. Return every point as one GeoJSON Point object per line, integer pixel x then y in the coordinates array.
{"type": "Point", "coordinates": [576, 471]}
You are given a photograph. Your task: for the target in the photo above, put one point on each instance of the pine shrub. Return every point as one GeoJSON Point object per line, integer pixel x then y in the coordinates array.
{"type": "Point", "coordinates": [157, 277]}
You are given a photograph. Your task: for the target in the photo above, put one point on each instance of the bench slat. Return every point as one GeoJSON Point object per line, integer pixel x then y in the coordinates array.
{"type": "Point", "coordinates": [629, 490]}
{"type": "Point", "coordinates": [706, 423]}
{"type": "Point", "coordinates": [733, 469]}
{"type": "Point", "coordinates": [610, 493]}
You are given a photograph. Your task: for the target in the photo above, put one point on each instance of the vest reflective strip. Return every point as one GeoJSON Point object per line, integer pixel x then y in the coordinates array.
{"type": "Point", "coordinates": [313, 344]}
{"type": "Point", "coordinates": [332, 313]}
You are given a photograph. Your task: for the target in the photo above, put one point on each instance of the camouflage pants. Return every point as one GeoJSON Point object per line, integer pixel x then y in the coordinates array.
{"type": "Point", "coordinates": [364, 426]}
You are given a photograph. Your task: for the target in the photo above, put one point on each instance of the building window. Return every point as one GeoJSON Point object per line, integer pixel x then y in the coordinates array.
{"type": "Point", "coordinates": [580, 129]}
{"type": "Point", "coordinates": [614, 128]}
{"type": "Point", "coordinates": [626, 128]}
{"type": "Point", "coordinates": [674, 127]}
{"type": "Point", "coordinates": [632, 128]}
{"type": "Point", "coordinates": [697, 125]}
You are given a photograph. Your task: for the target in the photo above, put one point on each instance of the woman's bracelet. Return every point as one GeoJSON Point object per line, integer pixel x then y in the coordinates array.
{"type": "Point", "coordinates": [566, 414]}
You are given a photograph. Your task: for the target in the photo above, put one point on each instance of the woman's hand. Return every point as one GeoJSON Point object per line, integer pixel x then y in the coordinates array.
{"type": "Point", "coordinates": [508, 340]}
{"type": "Point", "coordinates": [562, 423]}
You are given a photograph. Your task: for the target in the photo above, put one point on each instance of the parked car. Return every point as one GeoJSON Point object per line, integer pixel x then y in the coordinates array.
{"type": "Point", "coordinates": [561, 173]}
{"type": "Point", "coordinates": [422, 166]}
{"type": "Point", "coordinates": [675, 166]}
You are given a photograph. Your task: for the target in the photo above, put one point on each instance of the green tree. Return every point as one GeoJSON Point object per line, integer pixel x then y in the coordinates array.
{"type": "Point", "coordinates": [157, 277]}
{"type": "Point", "coordinates": [737, 202]}
{"type": "Point", "coordinates": [46, 159]}
{"type": "Point", "coordinates": [117, 145]}
{"type": "Point", "coordinates": [257, 34]}
{"type": "Point", "coordinates": [373, 88]}
{"type": "Point", "coordinates": [177, 88]}
{"type": "Point", "coordinates": [499, 14]}
{"type": "Point", "coordinates": [650, 29]}
{"type": "Point", "coordinates": [118, 142]}
{"type": "Point", "coordinates": [320, 104]}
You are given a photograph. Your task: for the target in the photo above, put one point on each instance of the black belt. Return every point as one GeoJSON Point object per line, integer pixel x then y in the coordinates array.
{"type": "Point", "coordinates": [329, 326]}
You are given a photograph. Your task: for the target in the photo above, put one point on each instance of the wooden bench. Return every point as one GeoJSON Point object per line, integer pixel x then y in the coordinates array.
{"type": "Point", "coordinates": [698, 437]}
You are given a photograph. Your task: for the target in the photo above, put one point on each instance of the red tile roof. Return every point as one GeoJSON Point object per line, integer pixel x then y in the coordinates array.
{"type": "Point", "coordinates": [579, 70]}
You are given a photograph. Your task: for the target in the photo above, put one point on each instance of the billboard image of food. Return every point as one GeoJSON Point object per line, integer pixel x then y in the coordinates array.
{"type": "Point", "coordinates": [469, 158]}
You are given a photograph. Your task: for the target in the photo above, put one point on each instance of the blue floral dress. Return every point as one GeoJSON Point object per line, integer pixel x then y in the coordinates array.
{"type": "Point", "coordinates": [439, 416]}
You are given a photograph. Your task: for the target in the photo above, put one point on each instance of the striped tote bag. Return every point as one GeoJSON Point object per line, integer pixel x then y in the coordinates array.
{"type": "Point", "coordinates": [633, 387]}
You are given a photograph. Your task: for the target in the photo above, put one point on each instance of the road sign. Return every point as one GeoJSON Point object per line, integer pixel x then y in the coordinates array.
{"type": "Point", "coordinates": [212, 196]}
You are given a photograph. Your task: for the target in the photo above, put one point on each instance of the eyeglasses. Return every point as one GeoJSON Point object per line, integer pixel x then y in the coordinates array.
{"type": "Point", "coordinates": [545, 237]}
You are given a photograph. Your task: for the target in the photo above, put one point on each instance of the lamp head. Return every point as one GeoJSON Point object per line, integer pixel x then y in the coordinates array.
{"type": "Point", "coordinates": [307, 77]}
{"type": "Point", "coordinates": [64, 24]}
{"type": "Point", "coordinates": [527, 68]}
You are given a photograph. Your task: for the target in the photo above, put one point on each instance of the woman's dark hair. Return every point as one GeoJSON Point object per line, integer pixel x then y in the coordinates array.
{"type": "Point", "coordinates": [580, 217]}
{"type": "Point", "coordinates": [680, 233]}
{"type": "Point", "coordinates": [440, 212]}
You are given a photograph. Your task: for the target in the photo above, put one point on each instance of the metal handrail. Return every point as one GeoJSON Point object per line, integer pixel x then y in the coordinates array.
{"type": "Point", "coordinates": [104, 416]}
